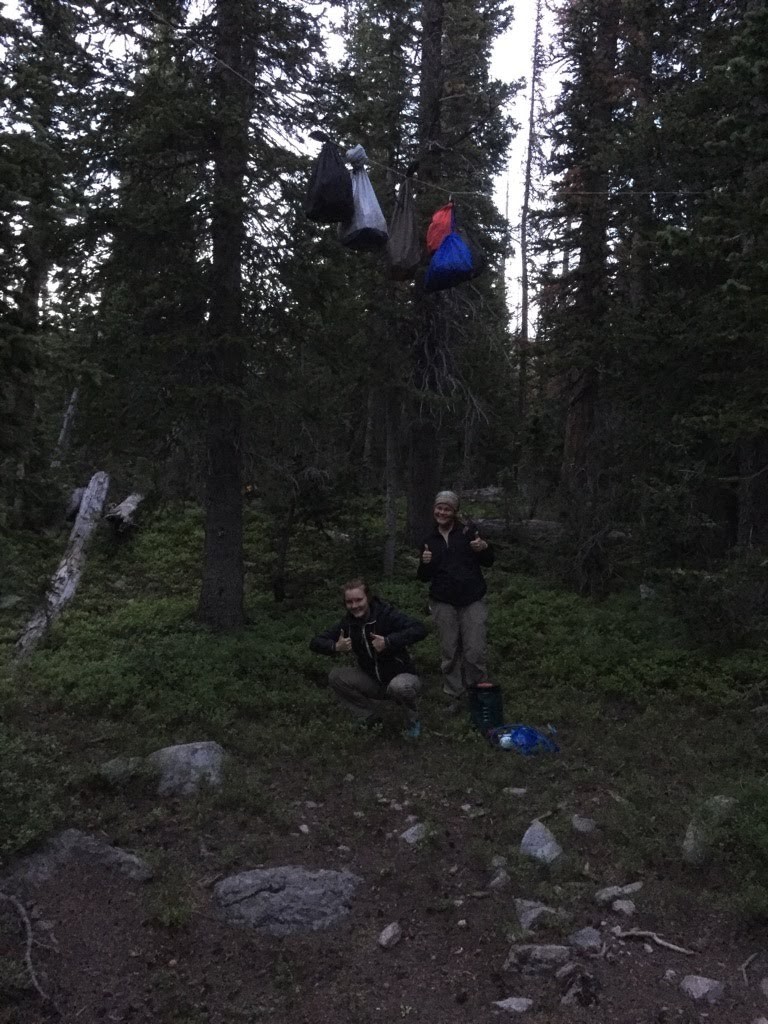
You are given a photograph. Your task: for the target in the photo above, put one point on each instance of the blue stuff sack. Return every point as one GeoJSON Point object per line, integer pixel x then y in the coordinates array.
{"type": "Point", "coordinates": [522, 738]}
{"type": "Point", "coordinates": [450, 265]}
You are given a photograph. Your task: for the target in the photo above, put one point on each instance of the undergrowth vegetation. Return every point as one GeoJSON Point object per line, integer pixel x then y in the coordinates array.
{"type": "Point", "coordinates": [642, 713]}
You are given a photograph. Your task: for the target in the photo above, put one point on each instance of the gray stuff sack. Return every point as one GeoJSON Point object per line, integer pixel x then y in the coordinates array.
{"type": "Point", "coordinates": [367, 229]}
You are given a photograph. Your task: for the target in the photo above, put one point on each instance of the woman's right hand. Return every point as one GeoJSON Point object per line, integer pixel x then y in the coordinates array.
{"type": "Point", "coordinates": [343, 644]}
{"type": "Point", "coordinates": [426, 555]}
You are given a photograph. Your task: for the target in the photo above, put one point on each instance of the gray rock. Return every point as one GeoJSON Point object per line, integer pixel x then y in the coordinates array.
{"type": "Point", "coordinates": [414, 834]}
{"type": "Point", "coordinates": [586, 938]}
{"type": "Point", "coordinates": [74, 846]}
{"type": "Point", "coordinates": [701, 831]}
{"type": "Point", "coordinates": [532, 959]}
{"type": "Point", "coordinates": [498, 861]}
{"type": "Point", "coordinates": [390, 936]}
{"type": "Point", "coordinates": [500, 880]}
{"type": "Point", "coordinates": [515, 790]}
{"type": "Point", "coordinates": [9, 601]}
{"type": "Point", "coordinates": [539, 843]}
{"type": "Point", "coordinates": [625, 907]}
{"type": "Point", "coordinates": [764, 986]}
{"type": "Point", "coordinates": [515, 1004]}
{"type": "Point", "coordinates": [120, 769]}
{"type": "Point", "coordinates": [584, 825]}
{"type": "Point", "coordinates": [702, 989]}
{"type": "Point", "coordinates": [285, 900]}
{"type": "Point", "coordinates": [613, 892]}
{"type": "Point", "coordinates": [185, 768]}
{"type": "Point", "coordinates": [529, 911]}
{"type": "Point", "coordinates": [760, 1020]}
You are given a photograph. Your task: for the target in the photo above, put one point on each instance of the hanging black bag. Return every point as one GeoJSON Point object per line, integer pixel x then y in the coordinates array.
{"type": "Point", "coordinates": [329, 197]}
{"type": "Point", "coordinates": [404, 245]}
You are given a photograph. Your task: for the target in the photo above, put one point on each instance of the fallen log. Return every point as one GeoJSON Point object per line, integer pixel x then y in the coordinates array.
{"type": "Point", "coordinates": [65, 580]}
{"type": "Point", "coordinates": [122, 516]}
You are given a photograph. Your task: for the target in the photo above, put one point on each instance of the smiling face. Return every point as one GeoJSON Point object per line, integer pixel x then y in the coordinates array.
{"type": "Point", "coordinates": [356, 602]}
{"type": "Point", "coordinates": [444, 515]}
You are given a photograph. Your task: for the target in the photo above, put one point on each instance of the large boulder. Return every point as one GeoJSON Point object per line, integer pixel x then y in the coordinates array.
{"type": "Point", "coordinates": [74, 846]}
{"type": "Point", "coordinates": [184, 769]}
{"type": "Point", "coordinates": [284, 900]}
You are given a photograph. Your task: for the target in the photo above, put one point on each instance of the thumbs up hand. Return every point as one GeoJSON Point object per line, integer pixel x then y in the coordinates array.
{"type": "Point", "coordinates": [343, 644]}
{"type": "Point", "coordinates": [379, 642]}
{"type": "Point", "coordinates": [426, 555]}
{"type": "Point", "coordinates": [478, 544]}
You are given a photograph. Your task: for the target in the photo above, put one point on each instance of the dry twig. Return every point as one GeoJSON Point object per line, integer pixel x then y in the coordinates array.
{"type": "Point", "coordinates": [639, 933]}
{"type": "Point", "coordinates": [746, 964]}
{"type": "Point", "coordinates": [18, 906]}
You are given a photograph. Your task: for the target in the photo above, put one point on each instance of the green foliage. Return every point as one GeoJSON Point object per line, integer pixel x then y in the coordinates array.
{"type": "Point", "coordinates": [30, 790]}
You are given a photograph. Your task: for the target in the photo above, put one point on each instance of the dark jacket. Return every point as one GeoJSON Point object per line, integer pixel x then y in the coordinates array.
{"type": "Point", "coordinates": [454, 573]}
{"type": "Point", "coordinates": [384, 620]}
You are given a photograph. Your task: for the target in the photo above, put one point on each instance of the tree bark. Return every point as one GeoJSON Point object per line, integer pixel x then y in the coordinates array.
{"type": "Point", "coordinates": [65, 580]}
{"type": "Point", "coordinates": [221, 595]}
{"type": "Point", "coordinates": [66, 430]}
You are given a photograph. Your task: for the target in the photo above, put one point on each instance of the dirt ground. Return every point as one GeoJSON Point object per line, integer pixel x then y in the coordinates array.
{"type": "Point", "coordinates": [108, 949]}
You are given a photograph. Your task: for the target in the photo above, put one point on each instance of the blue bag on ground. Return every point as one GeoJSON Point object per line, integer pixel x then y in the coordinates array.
{"type": "Point", "coordinates": [450, 265]}
{"type": "Point", "coordinates": [522, 738]}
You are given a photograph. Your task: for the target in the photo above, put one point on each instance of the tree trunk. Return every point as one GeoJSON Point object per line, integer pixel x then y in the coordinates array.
{"type": "Point", "coordinates": [65, 580]}
{"type": "Point", "coordinates": [221, 595]}
{"type": "Point", "coordinates": [591, 276]}
{"type": "Point", "coordinates": [524, 337]}
{"type": "Point", "coordinates": [424, 447]}
{"type": "Point", "coordinates": [66, 430]}
{"type": "Point", "coordinates": [123, 516]}
{"type": "Point", "coordinates": [391, 488]}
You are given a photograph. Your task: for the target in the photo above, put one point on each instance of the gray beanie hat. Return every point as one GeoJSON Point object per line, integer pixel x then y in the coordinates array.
{"type": "Point", "coordinates": [447, 498]}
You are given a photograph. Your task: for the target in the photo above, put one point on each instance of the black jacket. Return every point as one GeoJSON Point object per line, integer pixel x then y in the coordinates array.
{"type": "Point", "coordinates": [384, 620]}
{"type": "Point", "coordinates": [454, 573]}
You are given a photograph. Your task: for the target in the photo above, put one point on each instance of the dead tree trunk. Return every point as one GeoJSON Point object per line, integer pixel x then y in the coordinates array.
{"type": "Point", "coordinates": [123, 516]}
{"type": "Point", "coordinates": [65, 580]}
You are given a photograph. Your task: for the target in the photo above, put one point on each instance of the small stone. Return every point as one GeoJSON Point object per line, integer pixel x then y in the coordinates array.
{"type": "Point", "coordinates": [529, 911]}
{"type": "Point", "coordinates": [532, 959]}
{"type": "Point", "coordinates": [515, 1004]}
{"type": "Point", "coordinates": [703, 827]}
{"type": "Point", "coordinates": [311, 804]}
{"type": "Point", "coordinates": [584, 825]}
{"type": "Point", "coordinates": [462, 923]}
{"type": "Point", "coordinates": [390, 936]}
{"type": "Point", "coordinates": [395, 806]}
{"type": "Point", "coordinates": [498, 861]}
{"type": "Point", "coordinates": [539, 843]}
{"type": "Point", "coordinates": [349, 777]}
{"type": "Point", "coordinates": [411, 818]}
{"type": "Point", "coordinates": [702, 989]}
{"type": "Point", "coordinates": [648, 947]}
{"type": "Point", "coordinates": [414, 834]}
{"type": "Point", "coordinates": [453, 869]}
{"type": "Point", "coordinates": [515, 790]}
{"type": "Point", "coordinates": [586, 938]}
{"type": "Point", "coordinates": [344, 849]}
{"type": "Point", "coordinates": [625, 907]}
{"type": "Point", "coordinates": [670, 975]}
{"type": "Point", "coordinates": [616, 891]}
{"type": "Point", "coordinates": [358, 814]}
{"type": "Point", "coordinates": [500, 880]}
{"type": "Point", "coordinates": [186, 767]}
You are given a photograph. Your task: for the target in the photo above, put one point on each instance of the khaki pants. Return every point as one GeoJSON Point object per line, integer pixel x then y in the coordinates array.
{"type": "Point", "coordinates": [363, 696]}
{"type": "Point", "coordinates": [463, 652]}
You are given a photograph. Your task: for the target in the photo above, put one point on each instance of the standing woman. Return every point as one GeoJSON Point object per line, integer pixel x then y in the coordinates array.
{"type": "Point", "coordinates": [450, 560]}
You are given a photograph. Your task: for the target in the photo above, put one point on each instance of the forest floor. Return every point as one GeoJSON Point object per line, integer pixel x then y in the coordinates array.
{"type": "Point", "coordinates": [648, 726]}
